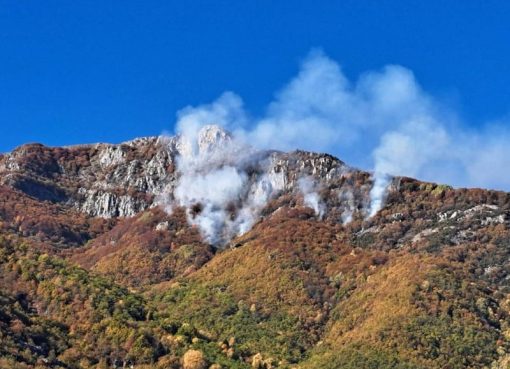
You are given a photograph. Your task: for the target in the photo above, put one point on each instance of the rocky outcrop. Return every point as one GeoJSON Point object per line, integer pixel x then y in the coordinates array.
{"type": "Point", "coordinates": [120, 180]}
{"type": "Point", "coordinates": [100, 203]}
{"type": "Point", "coordinates": [101, 180]}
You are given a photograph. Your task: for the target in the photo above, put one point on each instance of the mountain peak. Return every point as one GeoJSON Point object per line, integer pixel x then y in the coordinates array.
{"type": "Point", "coordinates": [211, 137]}
{"type": "Point", "coordinates": [203, 140]}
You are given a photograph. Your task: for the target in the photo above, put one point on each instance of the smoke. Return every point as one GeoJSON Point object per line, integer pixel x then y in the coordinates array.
{"type": "Point", "coordinates": [227, 111]}
{"type": "Point", "coordinates": [221, 181]}
{"type": "Point", "coordinates": [210, 194]}
{"type": "Point", "coordinates": [311, 198]}
{"type": "Point", "coordinates": [346, 197]}
{"type": "Point", "coordinates": [409, 150]}
{"type": "Point", "coordinates": [383, 121]}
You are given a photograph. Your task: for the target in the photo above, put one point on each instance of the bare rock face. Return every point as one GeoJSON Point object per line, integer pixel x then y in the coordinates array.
{"type": "Point", "coordinates": [107, 204]}
{"type": "Point", "coordinates": [100, 180]}
{"type": "Point", "coordinates": [121, 180]}
{"type": "Point", "coordinates": [322, 168]}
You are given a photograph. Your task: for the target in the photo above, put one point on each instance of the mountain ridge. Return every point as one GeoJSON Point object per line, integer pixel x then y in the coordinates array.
{"type": "Point", "coordinates": [103, 263]}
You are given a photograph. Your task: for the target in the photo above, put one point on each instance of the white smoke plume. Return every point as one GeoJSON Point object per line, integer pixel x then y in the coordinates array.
{"type": "Point", "coordinates": [222, 184]}
{"type": "Point", "coordinates": [211, 192]}
{"type": "Point", "coordinates": [382, 121]}
{"type": "Point", "coordinates": [346, 198]}
{"type": "Point", "coordinates": [408, 150]}
{"type": "Point", "coordinates": [311, 198]}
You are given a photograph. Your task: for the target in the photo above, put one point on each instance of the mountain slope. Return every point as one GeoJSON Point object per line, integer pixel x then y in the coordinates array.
{"type": "Point", "coordinates": [102, 264]}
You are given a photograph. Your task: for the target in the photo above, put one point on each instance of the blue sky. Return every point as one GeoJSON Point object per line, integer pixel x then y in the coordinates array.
{"type": "Point", "coordinates": [90, 71]}
{"type": "Point", "coordinates": [86, 71]}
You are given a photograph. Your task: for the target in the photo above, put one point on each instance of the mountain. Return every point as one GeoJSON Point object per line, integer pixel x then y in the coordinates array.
{"type": "Point", "coordinates": [202, 252]}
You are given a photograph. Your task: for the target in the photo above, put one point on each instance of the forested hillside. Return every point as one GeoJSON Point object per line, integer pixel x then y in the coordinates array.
{"type": "Point", "coordinates": [98, 271]}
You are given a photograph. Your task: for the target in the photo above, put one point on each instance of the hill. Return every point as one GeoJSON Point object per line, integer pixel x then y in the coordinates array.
{"type": "Point", "coordinates": [168, 253]}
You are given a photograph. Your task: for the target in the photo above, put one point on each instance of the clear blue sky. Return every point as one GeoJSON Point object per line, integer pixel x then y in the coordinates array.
{"type": "Point", "coordinates": [88, 71]}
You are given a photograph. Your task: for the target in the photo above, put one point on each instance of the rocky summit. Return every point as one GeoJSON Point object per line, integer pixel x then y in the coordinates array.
{"type": "Point", "coordinates": [198, 251]}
